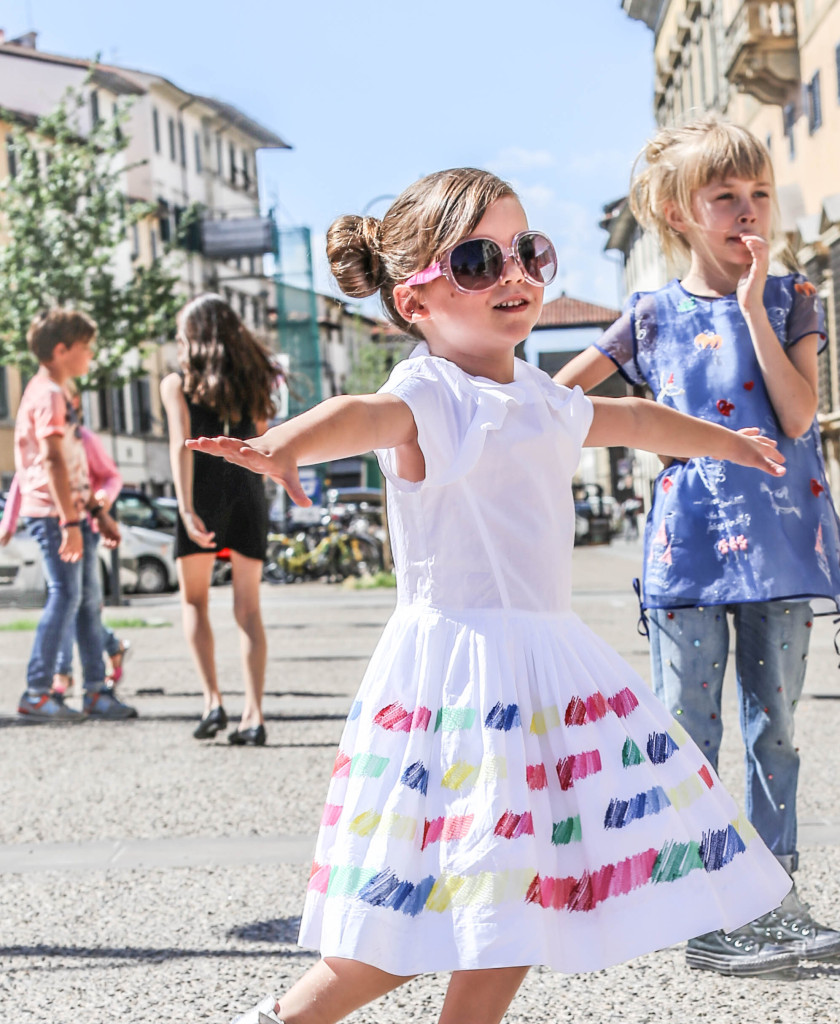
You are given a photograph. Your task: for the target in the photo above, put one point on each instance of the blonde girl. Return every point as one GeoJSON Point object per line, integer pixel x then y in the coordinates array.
{"type": "Point", "coordinates": [506, 792]}
{"type": "Point", "coordinates": [735, 345]}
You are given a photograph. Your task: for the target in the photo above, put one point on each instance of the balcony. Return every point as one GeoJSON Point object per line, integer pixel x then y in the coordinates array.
{"type": "Point", "coordinates": [763, 52]}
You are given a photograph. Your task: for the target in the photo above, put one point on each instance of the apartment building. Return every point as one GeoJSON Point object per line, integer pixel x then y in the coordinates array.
{"type": "Point", "coordinates": [184, 149]}
{"type": "Point", "coordinates": [774, 67]}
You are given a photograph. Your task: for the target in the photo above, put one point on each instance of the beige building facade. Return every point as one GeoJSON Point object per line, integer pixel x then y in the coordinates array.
{"type": "Point", "coordinates": [184, 149]}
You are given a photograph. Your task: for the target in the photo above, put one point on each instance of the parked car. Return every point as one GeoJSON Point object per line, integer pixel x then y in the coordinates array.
{"type": "Point", "coordinates": [153, 552]}
{"type": "Point", "coordinates": [22, 578]}
{"type": "Point", "coordinates": [134, 508]}
{"type": "Point", "coordinates": [148, 529]}
{"type": "Point", "coordinates": [593, 514]}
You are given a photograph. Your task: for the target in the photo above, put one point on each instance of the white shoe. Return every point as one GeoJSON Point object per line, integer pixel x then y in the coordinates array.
{"type": "Point", "coordinates": [262, 1013]}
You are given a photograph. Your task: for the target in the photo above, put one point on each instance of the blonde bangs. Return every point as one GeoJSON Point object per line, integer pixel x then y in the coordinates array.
{"type": "Point", "coordinates": [725, 151]}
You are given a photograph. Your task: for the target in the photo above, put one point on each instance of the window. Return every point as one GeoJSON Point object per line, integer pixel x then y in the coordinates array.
{"type": "Point", "coordinates": [156, 128]}
{"type": "Point", "coordinates": [812, 90]}
{"type": "Point", "coordinates": [11, 157]}
{"type": "Point", "coordinates": [111, 403]}
{"type": "Point", "coordinates": [154, 243]}
{"type": "Point", "coordinates": [246, 177]}
{"type": "Point", "coordinates": [94, 107]}
{"type": "Point", "coordinates": [4, 395]}
{"type": "Point", "coordinates": [837, 67]}
{"type": "Point", "coordinates": [232, 154]}
{"type": "Point", "coordinates": [163, 221]}
{"type": "Point", "coordinates": [117, 129]}
{"type": "Point", "coordinates": [243, 306]}
{"type": "Point", "coordinates": [135, 240]}
{"type": "Point", "coordinates": [256, 313]}
{"type": "Point", "coordinates": [182, 144]}
{"type": "Point", "coordinates": [197, 141]}
{"type": "Point", "coordinates": [118, 405]}
{"type": "Point", "coordinates": [172, 155]}
{"type": "Point", "coordinates": [141, 406]}
{"type": "Point", "coordinates": [219, 155]}
{"type": "Point", "coordinates": [789, 120]}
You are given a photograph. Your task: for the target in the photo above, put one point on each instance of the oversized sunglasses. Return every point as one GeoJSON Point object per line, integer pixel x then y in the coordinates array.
{"type": "Point", "coordinates": [479, 263]}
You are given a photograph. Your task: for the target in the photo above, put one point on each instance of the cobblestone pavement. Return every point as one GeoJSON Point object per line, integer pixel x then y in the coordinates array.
{"type": "Point", "coordinates": [147, 877]}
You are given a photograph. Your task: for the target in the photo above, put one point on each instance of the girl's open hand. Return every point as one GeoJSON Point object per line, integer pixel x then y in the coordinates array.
{"type": "Point", "coordinates": [257, 456]}
{"type": "Point", "coordinates": [759, 451]}
{"type": "Point", "coordinates": [750, 290]}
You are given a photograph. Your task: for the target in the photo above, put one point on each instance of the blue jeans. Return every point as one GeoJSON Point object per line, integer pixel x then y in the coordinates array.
{"type": "Point", "coordinates": [73, 596]}
{"type": "Point", "coordinates": [689, 648]}
{"type": "Point", "coordinates": [64, 662]}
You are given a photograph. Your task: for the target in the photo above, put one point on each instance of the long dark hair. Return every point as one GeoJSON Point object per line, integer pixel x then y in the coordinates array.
{"type": "Point", "coordinates": [224, 366]}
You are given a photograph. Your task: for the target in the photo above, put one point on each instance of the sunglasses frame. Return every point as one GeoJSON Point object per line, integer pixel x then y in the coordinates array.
{"type": "Point", "coordinates": [443, 266]}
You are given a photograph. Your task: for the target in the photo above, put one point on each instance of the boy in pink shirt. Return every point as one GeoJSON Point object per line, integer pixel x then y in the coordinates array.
{"type": "Point", "coordinates": [56, 497]}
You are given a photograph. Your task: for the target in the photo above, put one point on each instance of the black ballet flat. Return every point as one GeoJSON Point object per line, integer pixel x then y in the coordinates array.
{"type": "Point", "coordinates": [253, 737]}
{"type": "Point", "coordinates": [213, 722]}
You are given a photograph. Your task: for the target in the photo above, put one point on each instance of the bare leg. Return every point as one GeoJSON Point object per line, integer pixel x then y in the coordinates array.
{"type": "Point", "coordinates": [332, 989]}
{"type": "Point", "coordinates": [194, 572]}
{"type": "Point", "coordinates": [481, 997]}
{"type": "Point", "coordinates": [247, 574]}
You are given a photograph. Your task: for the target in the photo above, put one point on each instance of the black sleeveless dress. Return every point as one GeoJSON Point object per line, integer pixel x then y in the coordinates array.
{"type": "Point", "coordinates": [229, 499]}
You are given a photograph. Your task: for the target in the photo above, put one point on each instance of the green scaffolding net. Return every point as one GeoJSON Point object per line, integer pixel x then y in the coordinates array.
{"type": "Point", "coordinates": [297, 319]}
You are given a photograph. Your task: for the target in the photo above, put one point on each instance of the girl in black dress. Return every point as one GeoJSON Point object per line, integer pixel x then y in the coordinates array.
{"type": "Point", "coordinates": [224, 387]}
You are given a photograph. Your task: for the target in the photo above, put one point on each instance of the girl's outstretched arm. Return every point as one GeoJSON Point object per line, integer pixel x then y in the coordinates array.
{"type": "Point", "coordinates": [336, 429]}
{"type": "Point", "coordinates": [641, 423]}
{"type": "Point", "coordinates": [587, 369]}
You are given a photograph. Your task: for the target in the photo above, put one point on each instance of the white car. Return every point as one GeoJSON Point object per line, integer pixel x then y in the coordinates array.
{"type": "Point", "coordinates": [152, 551]}
{"type": "Point", "coordinates": [22, 578]}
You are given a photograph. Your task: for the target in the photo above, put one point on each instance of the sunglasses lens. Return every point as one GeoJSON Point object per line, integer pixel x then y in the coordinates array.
{"type": "Point", "coordinates": [476, 264]}
{"type": "Point", "coordinates": [537, 257]}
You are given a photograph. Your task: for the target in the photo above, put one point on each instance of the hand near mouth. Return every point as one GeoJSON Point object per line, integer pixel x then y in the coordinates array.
{"type": "Point", "coordinates": [750, 289]}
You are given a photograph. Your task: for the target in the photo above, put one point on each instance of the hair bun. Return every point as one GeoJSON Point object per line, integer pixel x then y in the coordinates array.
{"type": "Point", "coordinates": [354, 247]}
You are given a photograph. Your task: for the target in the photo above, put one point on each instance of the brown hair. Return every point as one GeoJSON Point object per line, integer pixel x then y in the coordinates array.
{"type": "Point", "coordinates": [56, 327]}
{"type": "Point", "coordinates": [225, 367]}
{"type": "Point", "coordinates": [679, 160]}
{"type": "Point", "coordinates": [368, 255]}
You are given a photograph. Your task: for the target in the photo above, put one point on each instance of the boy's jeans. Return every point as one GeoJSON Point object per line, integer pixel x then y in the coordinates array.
{"type": "Point", "coordinates": [73, 596]}
{"type": "Point", "coordinates": [689, 648]}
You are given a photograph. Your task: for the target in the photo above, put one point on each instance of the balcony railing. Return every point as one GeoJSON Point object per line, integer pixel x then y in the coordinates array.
{"type": "Point", "coordinates": [763, 51]}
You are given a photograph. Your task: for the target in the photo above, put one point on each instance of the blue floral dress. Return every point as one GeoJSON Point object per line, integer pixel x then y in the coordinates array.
{"type": "Point", "coordinates": [719, 533]}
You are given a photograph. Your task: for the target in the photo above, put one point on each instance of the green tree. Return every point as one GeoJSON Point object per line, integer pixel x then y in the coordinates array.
{"type": "Point", "coordinates": [370, 368]}
{"type": "Point", "coordinates": [64, 214]}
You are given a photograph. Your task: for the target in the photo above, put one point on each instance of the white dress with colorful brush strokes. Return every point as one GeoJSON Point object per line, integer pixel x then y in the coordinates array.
{"type": "Point", "coordinates": [507, 790]}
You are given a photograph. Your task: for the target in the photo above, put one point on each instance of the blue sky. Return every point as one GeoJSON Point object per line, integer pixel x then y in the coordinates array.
{"type": "Point", "coordinates": [554, 95]}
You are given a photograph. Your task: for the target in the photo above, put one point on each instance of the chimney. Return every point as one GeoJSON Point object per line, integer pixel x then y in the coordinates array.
{"type": "Point", "coordinates": [28, 40]}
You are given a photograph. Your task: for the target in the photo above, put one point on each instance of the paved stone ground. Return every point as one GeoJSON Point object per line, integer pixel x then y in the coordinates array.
{"type": "Point", "coordinates": [148, 877]}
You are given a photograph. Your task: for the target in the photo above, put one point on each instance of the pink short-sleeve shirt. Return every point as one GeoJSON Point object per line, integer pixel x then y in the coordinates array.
{"type": "Point", "coordinates": [42, 414]}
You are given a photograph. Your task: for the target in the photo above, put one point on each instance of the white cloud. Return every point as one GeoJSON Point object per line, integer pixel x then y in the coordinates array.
{"type": "Point", "coordinates": [515, 159]}
{"type": "Point", "coordinates": [597, 160]}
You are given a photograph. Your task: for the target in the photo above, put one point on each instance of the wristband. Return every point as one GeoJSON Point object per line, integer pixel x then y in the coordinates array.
{"type": "Point", "coordinates": [66, 525]}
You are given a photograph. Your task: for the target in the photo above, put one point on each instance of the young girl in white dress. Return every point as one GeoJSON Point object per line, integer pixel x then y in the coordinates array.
{"type": "Point", "coordinates": [507, 791]}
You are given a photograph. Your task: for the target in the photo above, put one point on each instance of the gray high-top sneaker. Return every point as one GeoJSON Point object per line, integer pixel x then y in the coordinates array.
{"type": "Point", "coordinates": [792, 922]}
{"type": "Point", "coordinates": [741, 953]}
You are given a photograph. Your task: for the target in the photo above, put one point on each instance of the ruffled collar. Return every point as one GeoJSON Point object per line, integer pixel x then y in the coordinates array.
{"type": "Point", "coordinates": [529, 383]}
